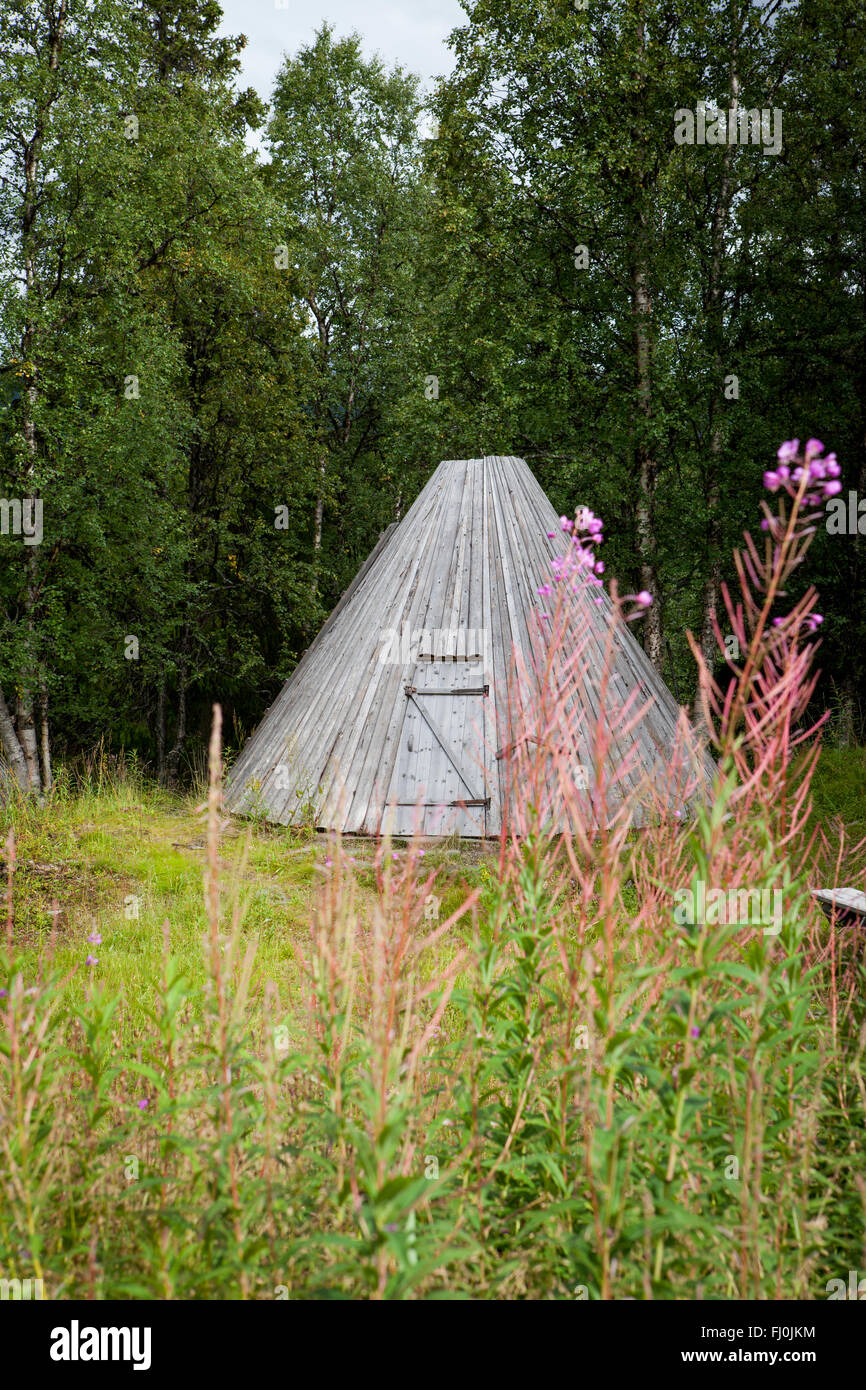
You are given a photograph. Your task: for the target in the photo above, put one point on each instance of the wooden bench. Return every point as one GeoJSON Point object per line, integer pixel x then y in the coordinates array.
{"type": "Point", "coordinates": [849, 904]}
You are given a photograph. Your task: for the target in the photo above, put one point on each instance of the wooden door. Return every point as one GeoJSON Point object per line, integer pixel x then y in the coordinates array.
{"type": "Point", "coordinates": [441, 777]}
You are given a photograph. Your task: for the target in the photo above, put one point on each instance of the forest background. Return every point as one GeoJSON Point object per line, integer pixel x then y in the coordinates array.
{"type": "Point", "coordinates": [224, 370]}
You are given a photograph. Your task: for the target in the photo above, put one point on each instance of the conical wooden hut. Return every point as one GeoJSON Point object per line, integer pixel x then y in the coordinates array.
{"type": "Point", "coordinates": [393, 718]}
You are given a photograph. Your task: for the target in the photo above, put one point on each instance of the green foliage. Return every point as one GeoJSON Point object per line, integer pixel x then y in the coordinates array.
{"type": "Point", "coordinates": [313, 329]}
{"type": "Point", "coordinates": [839, 788]}
{"type": "Point", "coordinates": [370, 1108]}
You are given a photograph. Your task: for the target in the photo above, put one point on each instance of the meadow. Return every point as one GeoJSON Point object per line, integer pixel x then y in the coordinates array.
{"type": "Point", "coordinates": [246, 1062]}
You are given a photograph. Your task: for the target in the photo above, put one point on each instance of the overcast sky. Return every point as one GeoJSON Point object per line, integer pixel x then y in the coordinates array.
{"type": "Point", "coordinates": [411, 32]}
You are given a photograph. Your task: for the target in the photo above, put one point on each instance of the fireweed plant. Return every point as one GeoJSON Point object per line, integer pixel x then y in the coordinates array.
{"type": "Point", "coordinates": [570, 1087]}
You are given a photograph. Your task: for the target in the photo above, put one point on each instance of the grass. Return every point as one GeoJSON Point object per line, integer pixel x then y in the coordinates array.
{"type": "Point", "coordinates": [839, 789]}
{"type": "Point", "coordinates": [143, 1025]}
{"type": "Point", "coordinates": [284, 1076]}
{"type": "Point", "coordinates": [126, 858]}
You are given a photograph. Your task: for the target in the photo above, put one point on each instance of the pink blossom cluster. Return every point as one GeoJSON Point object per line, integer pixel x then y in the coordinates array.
{"type": "Point", "coordinates": [813, 621]}
{"type": "Point", "coordinates": [795, 473]}
{"type": "Point", "coordinates": [820, 475]}
{"type": "Point", "coordinates": [579, 564]}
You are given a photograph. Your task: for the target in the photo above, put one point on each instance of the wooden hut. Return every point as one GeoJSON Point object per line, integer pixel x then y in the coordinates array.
{"type": "Point", "coordinates": [394, 716]}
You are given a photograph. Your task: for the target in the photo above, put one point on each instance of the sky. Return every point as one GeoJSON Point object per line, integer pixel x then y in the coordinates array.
{"type": "Point", "coordinates": [410, 32]}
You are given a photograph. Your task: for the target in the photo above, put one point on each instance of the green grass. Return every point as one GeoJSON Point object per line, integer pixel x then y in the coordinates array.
{"type": "Point", "coordinates": [839, 789]}
{"type": "Point", "coordinates": [308, 1169]}
{"type": "Point", "coordinates": [133, 848]}
{"type": "Point", "coordinates": [124, 862]}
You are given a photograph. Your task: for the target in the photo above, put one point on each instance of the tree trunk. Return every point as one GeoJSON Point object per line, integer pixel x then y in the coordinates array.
{"type": "Point", "coordinates": [174, 757]}
{"type": "Point", "coordinates": [647, 466]}
{"type": "Point", "coordinates": [10, 747]}
{"type": "Point", "coordinates": [845, 716]}
{"type": "Point", "coordinates": [320, 415]}
{"type": "Point", "coordinates": [647, 469]}
{"type": "Point", "coordinates": [317, 523]}
{"type": "Point", "coordinates": [715, 318]}
{"type": "Point", "coordinates": [30, 678]}
{"type": "Point", "coordinates": [160, 728]}
{"type": "Point", "coordinates": [44, 741]}
{"type": "Point", "coordinates": [27, 738]}
{"type": "Point", "coordinates": [320, 512]}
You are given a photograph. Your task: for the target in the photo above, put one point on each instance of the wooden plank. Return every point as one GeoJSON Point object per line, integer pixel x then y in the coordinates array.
{"type": "Point", "coordinates": [374, 735]}
{"type": "Point", "coordinates": [457, 712]}
{"type": "Point", "coordinates": [433, 775]}
{"type": "Point", "coordinates": [478, 622]}
{"type": "Point", "coordinates": [843, 900]}
{"type": "Point", "coordinates": [444, 742]}
{"type": "Point", "coordinates": [256, 759]}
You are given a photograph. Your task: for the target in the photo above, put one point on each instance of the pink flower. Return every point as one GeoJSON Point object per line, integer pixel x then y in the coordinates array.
{"type": "Point", "coordinates": [143, 1104]}
{"type": "Point", "coordinates": [550, 535]}
{"type": "Point", "coordinates": [92, 960]}
{"type": "Point", "coordinates": [831, 467]}
{"type": "Point", "coordinates": [787, 452]}
{"type": "Point", "coordinates": [599, 568]}
{"type": "Point", "coordinates": [565, 523]}
{"type": "Point", "coordinates": [771, 481]}
{"type": "Point", "coordinates": [814, 447]}
{"type": "Point", "coordinates": [95, 938]}
{"type": "Point", "coordinates": [643, 599]}
{"type": "Point", "coordinates": [831, 488]}
{"type": "Point", "coordinates": [765, 525]}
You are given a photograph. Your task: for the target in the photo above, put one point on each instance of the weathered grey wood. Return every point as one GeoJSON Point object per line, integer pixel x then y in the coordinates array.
{"type": "Point", "coordinates": [410, 746]}
{"type": "Point", "coordinates": [443, 740]}
{"type": "Point", "coordinates": [843, 900]}
{"type": "Point", "coordinates": [467, 558]}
